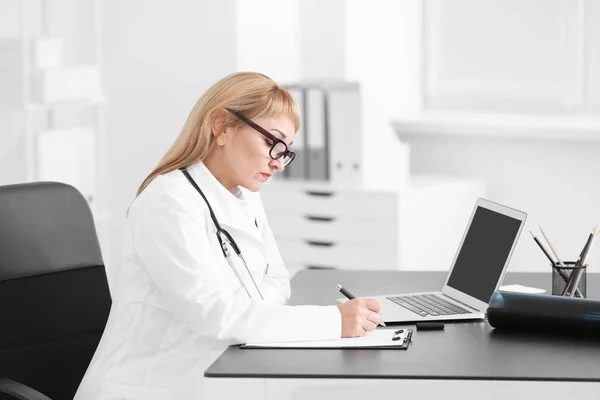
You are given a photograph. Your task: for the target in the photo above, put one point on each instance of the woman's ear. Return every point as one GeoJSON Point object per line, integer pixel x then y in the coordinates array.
{"type": "Point", "coordinates": [219, 126]}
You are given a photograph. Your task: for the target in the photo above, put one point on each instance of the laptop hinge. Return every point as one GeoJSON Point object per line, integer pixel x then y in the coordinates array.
{"type": "Point", "coordinates": [458, 301]}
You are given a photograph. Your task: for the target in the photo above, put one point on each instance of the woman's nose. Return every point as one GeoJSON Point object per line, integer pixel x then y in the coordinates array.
{"type": "Point", "coordinates": [278, 164]}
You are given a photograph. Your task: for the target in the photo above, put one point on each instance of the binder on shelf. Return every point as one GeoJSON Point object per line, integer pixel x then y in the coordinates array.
{"type": "Point", "coordinates": [313, 152]}
{"type": "Point", "coordinates": [317, 153]}
{"type": "Point", "coordinates": [297, 169]}
{"type": "Point", "coordinates": [331, 133]}
{"type": "Point", "coordinates": [344, 128]}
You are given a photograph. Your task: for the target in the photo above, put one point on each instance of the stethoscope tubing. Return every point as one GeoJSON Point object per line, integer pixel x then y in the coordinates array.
{"type": "Point", "coordinates": [224, 238]}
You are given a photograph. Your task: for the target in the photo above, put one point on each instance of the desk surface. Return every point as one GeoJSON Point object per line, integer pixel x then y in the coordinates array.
{"type": "Point", "coordinates": [464, 350]}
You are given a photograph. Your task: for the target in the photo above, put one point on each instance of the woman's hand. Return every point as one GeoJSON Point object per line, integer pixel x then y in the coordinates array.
{"type": "Point", "coordinates": [359, 316]}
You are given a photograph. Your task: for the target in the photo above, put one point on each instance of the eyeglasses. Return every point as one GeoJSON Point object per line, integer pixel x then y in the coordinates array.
{"type": "Point", "coordinates": [278, 147]}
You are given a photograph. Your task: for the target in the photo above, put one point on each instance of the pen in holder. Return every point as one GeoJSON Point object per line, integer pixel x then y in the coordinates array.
{"type": "Point", "coordinates": [568, 279]}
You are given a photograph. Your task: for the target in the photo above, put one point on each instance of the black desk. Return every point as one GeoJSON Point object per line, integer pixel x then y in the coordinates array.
{"type": "Point", "coordinates": [463, 351]}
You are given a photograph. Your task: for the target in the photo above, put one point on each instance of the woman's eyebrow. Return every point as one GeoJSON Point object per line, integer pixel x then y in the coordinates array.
{"type": "Point", "coordinates": [282, 134]}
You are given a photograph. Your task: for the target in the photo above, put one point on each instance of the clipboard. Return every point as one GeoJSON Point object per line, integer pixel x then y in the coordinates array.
{"type": "Point", "coordinates": [384, 339]}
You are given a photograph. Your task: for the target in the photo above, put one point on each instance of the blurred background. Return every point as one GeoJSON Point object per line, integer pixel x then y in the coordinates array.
{"type": "Point", "coordinates": [414, 109]}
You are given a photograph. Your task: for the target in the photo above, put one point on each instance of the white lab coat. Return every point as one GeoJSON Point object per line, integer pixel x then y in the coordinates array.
{"type": "Point", "coordinates": [176, 302]}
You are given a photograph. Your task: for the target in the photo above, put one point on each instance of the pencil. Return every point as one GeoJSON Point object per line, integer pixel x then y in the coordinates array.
{"type": "Point", "coordinates": [576, 275]}
{"type": "Point", "coordinates": [587, 244]}
{"type": "Point", "coordinates": [587, 251]}
{"type": "Point", "coordinates": [583, 258]}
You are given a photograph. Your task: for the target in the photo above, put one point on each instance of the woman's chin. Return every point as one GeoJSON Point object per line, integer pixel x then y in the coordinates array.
{"type": "Point", "coordinates": [253, 186]}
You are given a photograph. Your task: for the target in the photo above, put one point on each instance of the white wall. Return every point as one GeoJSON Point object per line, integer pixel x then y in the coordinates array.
{"type": "Point", "coordinates": [322, 46]}
{"type": "Point", "coordinates": [503, 55]}
{"type": "Point", "coordinates": [256, 27]}
{"type": "Point", "coordinates": [510, 90]}
{"type": "Point", "coordinates": [591, 29]}
{"type": "Point", "coordinates": [292, 40]}
{"type": "Point", "coordinates": [382, 51]}
{"type": "Point", "coordinates": [159, 57]}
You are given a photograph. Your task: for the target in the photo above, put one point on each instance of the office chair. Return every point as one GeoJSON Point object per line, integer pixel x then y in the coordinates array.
{"type": "Point", "coordinates": [54, 297]}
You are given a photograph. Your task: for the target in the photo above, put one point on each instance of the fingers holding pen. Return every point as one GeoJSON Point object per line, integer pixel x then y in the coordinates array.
{"type": "Point", "coordinates": [373, 305]}
{"type": "Point", "coordinates": [363, 313]}
{"type": "Point", "coordinates": [359, 317]}
{"type": "Point", "coordinates": [375, 318]}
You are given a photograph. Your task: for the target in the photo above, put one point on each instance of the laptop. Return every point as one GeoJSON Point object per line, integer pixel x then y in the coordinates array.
{"type": "Point", "coordinates": [477, 270]}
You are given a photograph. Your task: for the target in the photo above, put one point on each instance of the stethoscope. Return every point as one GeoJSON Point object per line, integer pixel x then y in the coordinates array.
{"type": "Point", "coordinates": [225, 240]}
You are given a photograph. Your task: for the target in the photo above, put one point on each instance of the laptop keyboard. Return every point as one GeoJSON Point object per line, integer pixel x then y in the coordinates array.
{"type": "Point", "coordinates": [428, 305]}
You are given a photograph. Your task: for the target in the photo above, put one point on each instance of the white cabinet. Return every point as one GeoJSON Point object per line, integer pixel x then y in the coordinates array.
{"type": "Point", "coordinates": [419, 226]}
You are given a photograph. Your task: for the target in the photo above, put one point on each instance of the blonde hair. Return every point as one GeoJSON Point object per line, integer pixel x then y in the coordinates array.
{"type": "Point", "coordinates": [254, 95]}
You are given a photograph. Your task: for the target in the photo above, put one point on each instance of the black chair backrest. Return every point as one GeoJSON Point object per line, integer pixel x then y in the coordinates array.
{"type": "Point", "coordinates": [54, 297]}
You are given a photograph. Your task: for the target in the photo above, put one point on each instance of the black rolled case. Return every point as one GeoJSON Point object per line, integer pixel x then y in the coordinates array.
{"type": "Point", "coordinates": [543, 312]}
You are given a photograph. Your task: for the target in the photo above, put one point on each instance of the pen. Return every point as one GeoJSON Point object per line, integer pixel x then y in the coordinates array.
{"type": "Point", "coordinates": [350, 296]}
{"type": "Point", "coordinates": [552, 248]}
{"type": "Point", "coordinates": [543, 248]}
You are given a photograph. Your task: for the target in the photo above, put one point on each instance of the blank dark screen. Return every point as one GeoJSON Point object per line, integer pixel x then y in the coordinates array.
{"type": "Point", "coordinates": [483, 254]}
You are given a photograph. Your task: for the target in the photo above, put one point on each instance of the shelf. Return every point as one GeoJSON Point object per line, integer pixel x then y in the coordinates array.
{"type": "Point", "coordinates": [570, 128]}
{"type": "Point", "coordinates": [415, 183]}
{"type": "Point", "coordinates": [66, 104]}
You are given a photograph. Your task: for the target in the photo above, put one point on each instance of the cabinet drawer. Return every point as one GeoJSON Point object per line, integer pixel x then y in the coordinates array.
{"type": "Point", "coordinates": [355, 203]}
{"type": "Point", "coordinates": [337, 229]}
{"type": "Point", "coordinates": [341, 256]}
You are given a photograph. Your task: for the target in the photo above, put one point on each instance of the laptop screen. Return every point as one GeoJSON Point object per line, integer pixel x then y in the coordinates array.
{"type": "Point", "coordinates": [483, 254]}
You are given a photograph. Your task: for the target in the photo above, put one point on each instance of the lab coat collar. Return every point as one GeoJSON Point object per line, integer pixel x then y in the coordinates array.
{"type": "Point", "coordinates": [201, 173]}
{"type": "Point", "coordinates": [234, 212]}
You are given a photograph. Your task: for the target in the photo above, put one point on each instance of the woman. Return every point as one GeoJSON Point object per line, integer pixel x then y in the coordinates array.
{"type": "Point", "coordinates": [178, 302]}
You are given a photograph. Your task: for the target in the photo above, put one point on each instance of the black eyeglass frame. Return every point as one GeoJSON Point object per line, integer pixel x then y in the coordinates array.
{"type": "Point", "coordinates": [269, 135]}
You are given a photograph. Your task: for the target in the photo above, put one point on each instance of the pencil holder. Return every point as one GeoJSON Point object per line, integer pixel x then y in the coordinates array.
{"type": "Point", "coordinates": [568, 279]}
